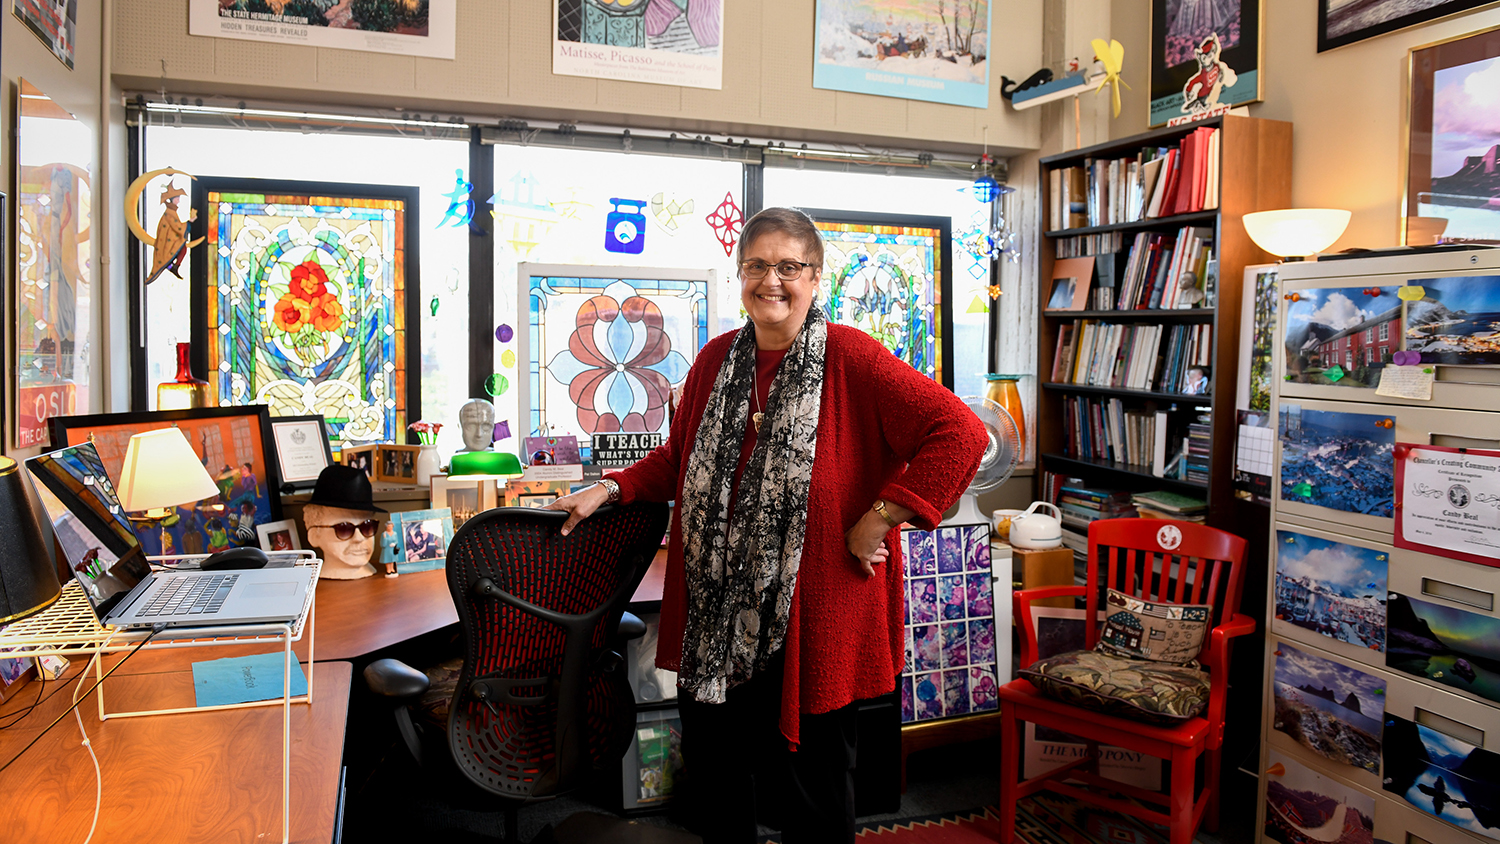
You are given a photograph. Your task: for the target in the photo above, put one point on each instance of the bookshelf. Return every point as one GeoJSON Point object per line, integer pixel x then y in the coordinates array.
{"type": "Point", "coordinates": [1251, 165]}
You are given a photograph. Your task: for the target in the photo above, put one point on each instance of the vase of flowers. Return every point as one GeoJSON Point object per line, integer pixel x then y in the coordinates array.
{"type": "Point", "coordinates": [428, 463]}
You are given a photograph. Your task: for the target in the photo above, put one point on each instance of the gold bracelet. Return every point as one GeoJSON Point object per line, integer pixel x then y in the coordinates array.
{"type": "Point", "coordinates": [879, 507]}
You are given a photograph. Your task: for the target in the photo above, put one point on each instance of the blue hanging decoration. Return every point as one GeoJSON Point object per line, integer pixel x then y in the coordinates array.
{"type": "Point", "coordinates": [986, 188]}
{"type": "Point", "coordinates": [460, 205]}
{"type": "Point", "coordinates": [625, 227]}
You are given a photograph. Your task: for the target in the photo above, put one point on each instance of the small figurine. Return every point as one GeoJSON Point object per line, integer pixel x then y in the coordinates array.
{"type": "Point", "coordinates": [340, 520]}
{"type": "Point", "coordinates": [170, 244]}
{"type": "Point", "coordinates": [476, 419]}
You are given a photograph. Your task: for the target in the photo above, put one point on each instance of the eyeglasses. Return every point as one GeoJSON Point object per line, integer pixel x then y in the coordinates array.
{"type": "Point", "coordinates": [345, 530]}
{"type": "Point", "coordinates": [785, 270]}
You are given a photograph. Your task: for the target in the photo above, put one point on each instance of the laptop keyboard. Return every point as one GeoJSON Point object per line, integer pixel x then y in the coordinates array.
{"type": "Point", "coordinates": [189, 595]}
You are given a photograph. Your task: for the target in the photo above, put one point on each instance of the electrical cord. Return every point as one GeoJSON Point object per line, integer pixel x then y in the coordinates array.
{"type": "Point", "coordinates": [18, 717]}
{"type": "Point", "coordinates": [78, 699]}
{"type": "Point", "coordinates": [87, 745]}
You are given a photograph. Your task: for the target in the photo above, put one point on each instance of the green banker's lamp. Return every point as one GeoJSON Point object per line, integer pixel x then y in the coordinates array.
{"type": "Point", "coordinates": [484, 467]}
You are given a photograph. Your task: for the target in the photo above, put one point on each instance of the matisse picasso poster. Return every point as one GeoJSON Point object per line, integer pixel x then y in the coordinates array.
{"type": "Point", "coordinates": [662, 42]}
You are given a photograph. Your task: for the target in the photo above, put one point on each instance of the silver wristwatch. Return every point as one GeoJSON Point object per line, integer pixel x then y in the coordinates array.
{"type": "Point", "coordinates": [612, 488]}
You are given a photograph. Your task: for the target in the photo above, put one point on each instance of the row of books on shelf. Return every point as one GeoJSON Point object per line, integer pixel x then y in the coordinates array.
{"type": "Point", "coordinates": [1166, 272]}
{"type": "Point", "coordinates": [1156, 358]}
{"type": "Point", "coordinates": [1102, 429]}
{"type": "Point", "coordinates": [1079, 245]}
{"type": "Point", "coordinates": [1155, 182]}
{"type": "Point", "coordinates": [1082, 504]}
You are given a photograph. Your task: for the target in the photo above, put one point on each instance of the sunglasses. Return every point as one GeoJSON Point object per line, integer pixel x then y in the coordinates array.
{"type": "Point", "coordinates": [345, 530]}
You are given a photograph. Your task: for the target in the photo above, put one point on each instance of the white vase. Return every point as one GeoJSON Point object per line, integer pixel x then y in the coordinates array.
{"type": "Point", "coordinates": [428, 465]}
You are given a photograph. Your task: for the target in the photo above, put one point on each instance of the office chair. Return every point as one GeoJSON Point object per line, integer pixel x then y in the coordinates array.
{"type": "Point", "coordinates": [542, 698]}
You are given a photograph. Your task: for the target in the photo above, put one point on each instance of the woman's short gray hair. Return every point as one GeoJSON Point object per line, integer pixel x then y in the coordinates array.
{"type": "Point", "coordinates": [786, 220]}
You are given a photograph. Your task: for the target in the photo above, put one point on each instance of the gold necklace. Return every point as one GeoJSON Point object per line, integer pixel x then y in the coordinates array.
{"type": "Point", "coordinates": [757, 417]}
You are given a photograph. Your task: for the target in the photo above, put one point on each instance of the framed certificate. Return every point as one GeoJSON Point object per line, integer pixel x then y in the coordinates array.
{"type": "Point", "coordinates": [1448, 502]}
{"type": "Point", "coordinates": [302, 450]}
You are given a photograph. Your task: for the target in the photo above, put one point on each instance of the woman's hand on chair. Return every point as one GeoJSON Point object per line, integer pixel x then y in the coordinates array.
{"type": "Point", "coordinates": [580, 505]}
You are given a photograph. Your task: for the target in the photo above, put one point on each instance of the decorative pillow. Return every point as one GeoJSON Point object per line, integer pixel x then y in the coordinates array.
{"type": "Point", "coordinates": [1138, 629]}
{"type": "Point", "coordinates": [1153, 692]}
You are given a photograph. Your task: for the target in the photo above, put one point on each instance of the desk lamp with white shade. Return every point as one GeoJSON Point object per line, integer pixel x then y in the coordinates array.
{"type": "Point", "coordinates": [1296, 233]}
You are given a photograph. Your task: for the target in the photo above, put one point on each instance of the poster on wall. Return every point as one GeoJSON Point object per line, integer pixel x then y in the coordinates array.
{"type": "Point", "coordinates": [915, 49]}
{"type": "Point", "coordinates": [1343, 22]}
{"type": "Point", "coordinates": [406, 27]}
{"type": "Point", "coordinates": [1205, 58]}
{"type": "Point", "coordinates": [56, 23]}
{"type": "Point", "coordinates": [662, 42]}
{"type": "Point", "coordinates": [1448, 502]}
{"type": "Point", "coordinates": [1452, 185]}
{"type": "Point", "coordinates": [54, 249]}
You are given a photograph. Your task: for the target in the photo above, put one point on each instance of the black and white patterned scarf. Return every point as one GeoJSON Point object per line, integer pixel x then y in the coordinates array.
{"type": "Point", "coordinates": [740, 577]}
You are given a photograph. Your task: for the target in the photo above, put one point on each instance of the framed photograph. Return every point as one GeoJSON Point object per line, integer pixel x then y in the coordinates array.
{"type": "Point", "coordinates": [463, 497]}
{"type": "Point", "coordinates": [1451, 195]}
{"type": "Point", "coordinates": [1343, 22]}
{"type": "Point", "coordinates": [234, 445]}
{"type": "Point", "coordinates": [385, 463]}
{"type": "Point", "coordinates": [423, 536]}
{"type": "Point", "coordinates": [279, 536]}
{"type": "Point", "coordinates": [536, 502]}
{"type": "Point", "coordinates": [1071, 278]}
{"type": "Point", "coordinates": [302, 450]}
{"type": "Point", "coordinates": [1205, 58]}
{"type": "Point", "coordinates": [535, 491]}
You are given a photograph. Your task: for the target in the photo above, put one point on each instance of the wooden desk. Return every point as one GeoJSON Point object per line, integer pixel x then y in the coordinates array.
{"type": "Point", "coordinates": [200, 776]}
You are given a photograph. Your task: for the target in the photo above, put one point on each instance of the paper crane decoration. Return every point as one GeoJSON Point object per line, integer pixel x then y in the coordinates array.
{"type": "Point", "coordinates": [1112, 56]}
{"type": "Point", "coordinates": [170, 245]}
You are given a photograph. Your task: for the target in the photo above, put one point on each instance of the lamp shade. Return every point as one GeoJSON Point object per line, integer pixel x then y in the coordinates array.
{"type": "Point", "coordinates": [28, 581]}
{"type": "Point", "coordinates": [485, 466]}
{"type": "Point", "coordinates": [1296, 232]}
{"type": "Point", "coordinates": [162, 471]}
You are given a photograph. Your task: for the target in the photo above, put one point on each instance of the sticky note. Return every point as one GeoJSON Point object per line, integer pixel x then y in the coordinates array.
{"type": "Point", "coordinates": [1406, 382]}
{"type": "Point", "coordinates": [1411, 293]}
{"type": "Point", "coordinates": [1334, 373]}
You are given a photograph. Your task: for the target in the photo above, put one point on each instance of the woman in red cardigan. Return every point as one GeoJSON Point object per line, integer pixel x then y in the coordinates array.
{"type": "Point", "coordinates": [797, 451]}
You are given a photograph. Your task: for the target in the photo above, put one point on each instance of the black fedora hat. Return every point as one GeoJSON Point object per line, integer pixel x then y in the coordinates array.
{"type": "Point", "coordinates": [344, 487]}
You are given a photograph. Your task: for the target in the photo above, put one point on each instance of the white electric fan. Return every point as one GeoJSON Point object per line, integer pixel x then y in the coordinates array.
{"type": "Point", "coordinates": [1001, 454]}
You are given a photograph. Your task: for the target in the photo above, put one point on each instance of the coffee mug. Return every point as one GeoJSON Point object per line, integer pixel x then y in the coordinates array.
{"type": "Point", "coordinates": [1000, 521]}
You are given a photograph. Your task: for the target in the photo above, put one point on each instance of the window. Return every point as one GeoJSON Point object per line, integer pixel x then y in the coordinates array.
{"type": "Point", "coordinates": [1348, 359]}
{"type": "Point", "coordinates": [1370, 334]}
{"type": "Point", "coordinates": [1385, 331]}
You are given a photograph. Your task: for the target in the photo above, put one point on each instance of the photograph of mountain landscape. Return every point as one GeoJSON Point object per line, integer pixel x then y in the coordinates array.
{"type": "Point", "coordinates": [1303, 806]}
{"type": "Point", "coordinates": [1465, 142]}
{"type": "Point", "coordinates": [1341, 335]}
{"type": "Point", "coordinates": [1330, 709]}
{"type": "Point", "coordinates": [1444, 777]}
{"type": "Point", "coordinates": [1453, 647]}
{"type": "Point", "coordinates": [1457, 321]}
{"type": "Point", "coordinates": [1342, 461]}
{"type": "Point", "coordinates": [1331, 588]}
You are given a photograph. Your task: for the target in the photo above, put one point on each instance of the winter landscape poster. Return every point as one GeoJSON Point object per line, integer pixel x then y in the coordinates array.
{"type": "Point", "coordinates": [1341, 335]}
{"type": "Point", "coordinates": [1443, 776]}
{"type": "Point", "coordinates": [1330, 709]}
{"type": "Point", "coordinates": [1457, 320]}
{"type": "Point", "coordinates": [1331, 588]}
{"type": "Point", "coordinates": [1342, 461]}
{"type": "Point", "coordinates": [1450, 646]}
{"type": "Point", "coordinates": [1303, 805]}
{"type": "Point", "coordinates": [933, 50]}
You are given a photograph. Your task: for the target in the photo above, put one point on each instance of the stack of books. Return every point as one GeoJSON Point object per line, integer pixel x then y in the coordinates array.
{"type": "Point", "coordinates": [1102, 429]}
{"type": "Point", "coordinates": [1082, 505]}
{"type": "Point", "coordinates": [1130, 356]}
{"type": "Point", "coordinates": [1169, 505]}
{"type": "Point", "coordinates": [1105, 243]}
{"type": "Point", "coordinates": [1155, 182]}
{"type": "Point", "coordinates": [1197, 450]}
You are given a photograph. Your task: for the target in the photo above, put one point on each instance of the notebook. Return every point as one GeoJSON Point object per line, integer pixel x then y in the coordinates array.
{"type": "Point", "coordinates": [102, 553]}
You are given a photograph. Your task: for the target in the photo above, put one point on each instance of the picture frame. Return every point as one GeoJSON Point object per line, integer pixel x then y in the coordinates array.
{"type": "Point", "coordinates": [1439, 205]}
{"type": "Point", "coordinates": [279, 536]}
{"type": "Point", "coordinates": [424, 537]}
{"type": "Point", "coordinates": [302, 450]}
{"type": "Point", "coordinates": [464, 497]}
{"type": "Point", "coordinates": [537, 501]}
{"type": "Point", "coordinates": [1371, 19]}
{"type": "Point", "coordinates": [237, 439]}
{"type": "Point", "coordinates": [385, 463]}
{"type": "Point", "coordinates": [534, 491]}
{"type": "Point", "coordinates": [1184, 88]}
{"type": "Point", "coordinates": [951, 663]}
{"type": "Point", "coordinates": [1071, 278]}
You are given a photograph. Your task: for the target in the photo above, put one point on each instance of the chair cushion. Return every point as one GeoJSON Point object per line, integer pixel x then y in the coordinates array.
{"type": "Point", "coordinates": [1151, 692]}
{"type": "Point", "coordinates": [442, 680]}
{"type": "Point", "coordinates": [1136, 629]}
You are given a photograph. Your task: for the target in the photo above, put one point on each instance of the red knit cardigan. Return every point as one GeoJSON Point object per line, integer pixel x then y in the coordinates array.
{"type": "Point", "coordinates": [885, 431]}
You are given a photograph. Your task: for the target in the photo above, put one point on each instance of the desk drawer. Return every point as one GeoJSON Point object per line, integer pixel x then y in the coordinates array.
{"type": "Point", "coordinates": [1397, 822]}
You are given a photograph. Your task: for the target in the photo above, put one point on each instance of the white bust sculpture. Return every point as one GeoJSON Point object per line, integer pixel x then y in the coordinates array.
{"type": "Point", "coordinates": [476, 420]}
{"type": "Point", "coordinates": [341, 522]}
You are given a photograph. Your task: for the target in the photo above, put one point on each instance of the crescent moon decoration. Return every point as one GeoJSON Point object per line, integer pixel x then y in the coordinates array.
{"type": "Point", "coordinates": [179, 246]}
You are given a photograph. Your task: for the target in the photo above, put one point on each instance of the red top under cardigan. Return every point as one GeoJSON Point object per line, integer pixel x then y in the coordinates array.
{"type": "Point", "coordinates": [885, 431]}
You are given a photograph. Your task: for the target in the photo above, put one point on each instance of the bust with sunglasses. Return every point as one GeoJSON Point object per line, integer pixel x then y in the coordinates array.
{"type": "Point", "coordinates": [341, 521]}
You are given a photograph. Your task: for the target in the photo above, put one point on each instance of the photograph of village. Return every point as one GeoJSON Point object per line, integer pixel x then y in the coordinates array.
{"type": "Point", "coordinates": [1303, 806]}
{"type": "Point", "coordinates": [1443, 776]}
{"type": "Point", "coordinates": [1330, 709]}
{"type": "Point", "coordinates": [1343, 336]}
{"type": "Point", "coordinates": [1342, 461]}
{"type": "Point", "coordinates": [1331, 588]}
{"type": "Point", "coordinates": [1457, 321]}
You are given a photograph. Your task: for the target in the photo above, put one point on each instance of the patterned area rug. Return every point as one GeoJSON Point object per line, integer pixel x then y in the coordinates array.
{"type": "Point", "coordinates": [1040, 819]}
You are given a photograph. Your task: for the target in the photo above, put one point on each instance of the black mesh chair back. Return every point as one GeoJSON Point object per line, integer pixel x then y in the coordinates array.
{"type": "Point", "coordinates": [542, 700]}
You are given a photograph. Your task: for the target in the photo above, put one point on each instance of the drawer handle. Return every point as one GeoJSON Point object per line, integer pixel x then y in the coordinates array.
{"type": "Point", "coordinates": [1413, 838]}
{"type": "Point", "coordinates": [1449, 727]}
{"type": "Point", "coordinates": [1458, 594]}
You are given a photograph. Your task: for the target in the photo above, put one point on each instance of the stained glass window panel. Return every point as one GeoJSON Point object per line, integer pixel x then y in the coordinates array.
{"type": "Point", "coordinates": [307, 309]}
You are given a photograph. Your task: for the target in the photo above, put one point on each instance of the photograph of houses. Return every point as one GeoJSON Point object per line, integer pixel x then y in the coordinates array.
{"type": "Point", "coordinates": [1303, 806]}
{"type": "Point", "coordinates": [1341, 336]}
{"type": "Point", "coordinates": [1331, 588]}
{"type": "Point", "coordinates": [1449, 646]}
{"type": "Point", "coordinates": [1457, 321]}
{"type": "Point", "coordinates": [1329, 708]}
{"type": "Point", "coordinates": [1342, 461]}
{"type": "Point", "coordinates": [1443, 776]}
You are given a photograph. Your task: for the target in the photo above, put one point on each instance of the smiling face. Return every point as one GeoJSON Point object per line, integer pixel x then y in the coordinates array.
{"type": "Point", "coordinates": [777, 306]}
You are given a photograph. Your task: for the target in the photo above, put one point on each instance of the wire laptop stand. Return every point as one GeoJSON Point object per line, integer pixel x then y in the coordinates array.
{"type": "Point", "coordinates": [69, 628]}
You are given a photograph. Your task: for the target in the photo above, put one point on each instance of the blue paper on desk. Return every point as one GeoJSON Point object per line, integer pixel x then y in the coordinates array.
{"type": "Point", "coordinates": [244, 679]}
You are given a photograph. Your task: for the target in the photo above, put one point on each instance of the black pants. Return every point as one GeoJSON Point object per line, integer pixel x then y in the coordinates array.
{"type": "Point", "coordinates": [735, 755]}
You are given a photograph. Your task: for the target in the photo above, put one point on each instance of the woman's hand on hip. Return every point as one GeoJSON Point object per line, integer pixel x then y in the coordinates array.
{"type": "Point", "coordinates": [866, 541]}
{"type": "Point", "coordinates": [580, 505]}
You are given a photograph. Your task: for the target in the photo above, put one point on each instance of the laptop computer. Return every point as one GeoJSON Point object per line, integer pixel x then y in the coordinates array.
{"type": "Point", "coordinates": [102, 552]}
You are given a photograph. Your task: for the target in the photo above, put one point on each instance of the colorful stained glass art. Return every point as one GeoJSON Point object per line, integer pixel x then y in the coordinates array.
{"type": "Point", "coordinates": [951, 657]}
{"type": "Point", "coordinates": [726, 221]}
{"type": "Point", "coordinates": [605, 346]}
{"type": "Point", "coordinates": [307, 308]}
{"type": "Point", "coordinates": [884, 280]}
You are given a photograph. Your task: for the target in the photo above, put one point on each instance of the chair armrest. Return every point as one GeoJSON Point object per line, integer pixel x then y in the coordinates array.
{"type": "Point", "coordinates": [395, 680]}
{"type": "Point", "coordinates": [630, 627]}
{"type": "Point", "coordinates": [1024, 621]}
{"type": "Point", "coordinates": [1220, 640]}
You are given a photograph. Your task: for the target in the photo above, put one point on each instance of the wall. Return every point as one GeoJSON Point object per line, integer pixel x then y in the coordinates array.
{"type": "Point", "coordinates": [1348, 106]}
{"type": "Point", "coordinates": [504, 68]}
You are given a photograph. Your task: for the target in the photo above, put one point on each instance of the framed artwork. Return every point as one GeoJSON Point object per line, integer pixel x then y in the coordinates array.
{"type": "Point", "coordinates": [55, 23]}
{"type": "Point", "coordinates": [524, 493]}
{"type": "Point", "coordinates": [658, 43]}
{"type": "Point", "coordinates": [891, 276]}
{"type": "Point", "coordinates": [302, 450]}
{"type": "Point", "coordinates": [463, 497]}
{"type": "Point", "coordinates": [423, 537]}
{"type": "Point", "coordinates": [950, 624]}
{"type": "Point", "coordinates": [1071, 278]}
{"type": "Point", "coordinates": [1205, 58]}
{"type": "Point", "coordinates": [54, 311]}
{"type": "Point", "coordinates": [1451, 191]}
{"type": "Point", "coordinates": [1343, 22]}
{"type": "Point", "coordinates": [234, 445]}
{"type": "Point", "coordinates": [279, 536]}
{"type": "Point", "coordinates": [428, 28]}
{"type": "Point", "coordinates": [308, 302]}
{"type": "Point", "coordinates": [605, 346]}
{"type": "Point", "coordinates": [909, 50]}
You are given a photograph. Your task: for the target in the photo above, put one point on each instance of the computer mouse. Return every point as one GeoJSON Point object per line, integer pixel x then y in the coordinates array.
{"type": "Point", "coordinates": [235, 558]}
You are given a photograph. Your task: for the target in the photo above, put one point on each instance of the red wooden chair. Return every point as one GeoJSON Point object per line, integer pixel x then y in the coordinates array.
{"type": "Point", "coordinates": [1153, 560]}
